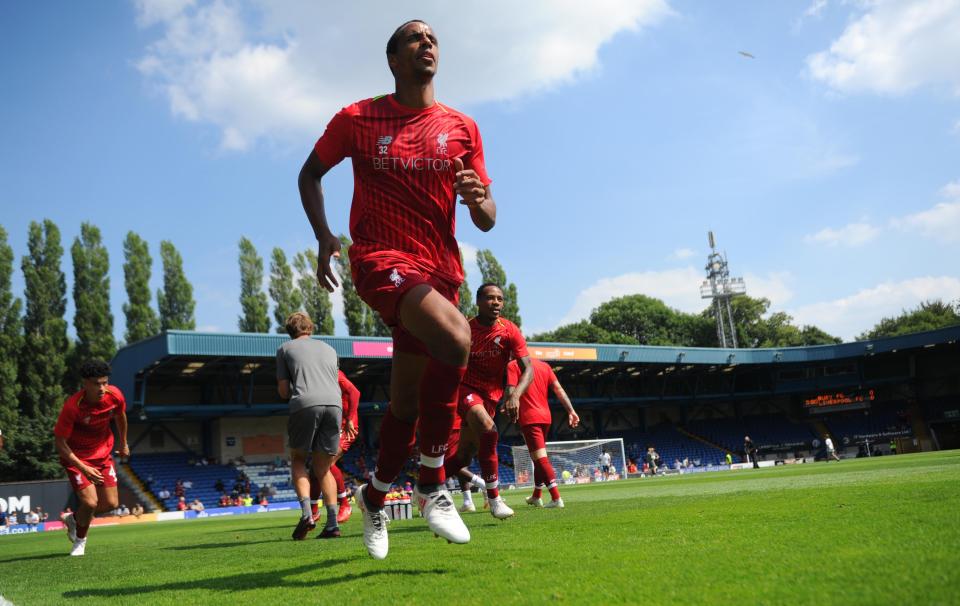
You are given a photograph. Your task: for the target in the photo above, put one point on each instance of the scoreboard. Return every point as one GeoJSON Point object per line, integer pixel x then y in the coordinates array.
{"type": "Point", "coordinates": [840, 400]}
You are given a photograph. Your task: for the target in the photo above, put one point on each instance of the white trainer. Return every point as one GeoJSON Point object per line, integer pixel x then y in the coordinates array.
{"type": "Point", "coordinates": [499, 509]}
{"type": "Point", "coordinates": [70, 523]}
{"type": "Point", "coordinates": [535, 501]}
{"type": "Point", "coordinates": [374, 527]}
{"type": "Point", "coordinates": [468, 507]}
{"type": "Point", "coordinates": [79, 547]}
{"type": "Point", "coordinates": [441, 515]}
{"type": "Point", "coordinates": [554, 504]}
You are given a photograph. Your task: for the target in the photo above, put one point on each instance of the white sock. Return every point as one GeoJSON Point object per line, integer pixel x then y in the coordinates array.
{"type": "Point", "coordinates": [467, 498]}
{"type": "Point", "coordinates": [478, 482]}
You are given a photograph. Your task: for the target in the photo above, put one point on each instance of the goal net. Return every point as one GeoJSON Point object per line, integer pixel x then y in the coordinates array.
{"type": "Point", "coordinates": [580, 459]}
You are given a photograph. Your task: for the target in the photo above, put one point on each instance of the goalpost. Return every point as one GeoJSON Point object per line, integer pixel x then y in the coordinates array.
{"type": "Point", "coordinates": [581, 458]}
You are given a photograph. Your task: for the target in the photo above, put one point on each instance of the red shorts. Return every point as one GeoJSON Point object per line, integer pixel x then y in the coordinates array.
{"type": "Point", "coordinates": [381, 281]}
{"type": "Point", "coordinates": [535, 436]}
{"type": "Point", "coordinates": [79, 481]}
{"type": "Point", "coordinates": [468, 398]}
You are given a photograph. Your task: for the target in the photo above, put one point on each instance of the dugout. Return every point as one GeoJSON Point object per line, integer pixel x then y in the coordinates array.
{"type": "Point", "coordinates": [215, 394]}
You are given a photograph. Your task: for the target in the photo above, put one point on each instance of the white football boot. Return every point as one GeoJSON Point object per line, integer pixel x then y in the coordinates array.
{"type": "Point", "coordinates": [499, 509]}
{"type": "Point", "coordinates": [374, 527]}
{"type": "Point", "coordinates": [79, 547]}
{"type": "Point", "coordinates": [441, 515]}
{"type": "Point", "coordinates": [534, 501]}
{"type": "Point", "coordinates": [70, 523]}
{"type": "Point", "coordinates": [554, 504]}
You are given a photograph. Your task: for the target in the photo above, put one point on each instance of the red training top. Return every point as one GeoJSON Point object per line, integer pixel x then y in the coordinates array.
{"type": "Point", "coordinates": [350, 396]}
{"type": "Point", "coordinates": [86, 426]}
{"type": "Point", "coordinates": [534, 407]}
{"type": "Point", "coordinates": [403, 178]}
{"type": "Point", "coordinates": [491, 348]}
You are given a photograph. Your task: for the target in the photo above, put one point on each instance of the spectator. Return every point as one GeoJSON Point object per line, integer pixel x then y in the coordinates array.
{"type": "Point", "coordinates": [729, 459]}
{"type": "Point", "coordinates": [196, 505]}
{"type": "Point", "coordinates": [178, 489]}
{"type": "Point", "coordinates": [263, 500]}
{"type": "Point", "coordinates": [247, 500]}
{"type": "Point", "coordinates": [750, 451]}
{"type": "Point", "coordinates": [123, 511]}
{"type": "Point", "coordinates": [3, 518]}
{"type": "Point", "coordinates": [188, 484]}
{"type": "Point", "coordinates": [632, 466]}
{"type": "Point", "coordinates": [164, 494]}
{"type": "Point", "coordinates": [32, 519]}
{"type": "Point", "coordinates": [137, 510]}
{"type": "Point", "coordinates": [182, 504]}
{"type": "Point", "coordinates": [12, 519]}
{"type": "Point", "coordinates": [219, 487]}
{"type": "Point", "coordinates": [224, 500]}
{"type": "Point", "coordinates": [238, 501]}
{"type": "Point", "coordinates": [44, 516]}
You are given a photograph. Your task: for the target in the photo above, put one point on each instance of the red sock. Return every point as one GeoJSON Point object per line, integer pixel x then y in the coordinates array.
{"type": "Point", "coordinates": [537, 491]}
{"type": "Point", "coordinates": [82, 531]}
{"type": "Point", "coordinates": [341, 487]}
{"type": "Point", "coordinates": [549, 477]}
{"type": "Point", "coordinates": [452, 464]}
{"type": "Point", "coordinates": [438, 405]}
{"type": "Point", "coordinates": [488, 462]}
{"type": "Point", "coordinates": [396, 443]}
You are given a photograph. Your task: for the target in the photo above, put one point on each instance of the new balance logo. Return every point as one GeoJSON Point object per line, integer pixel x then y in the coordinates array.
{"type": "Point", "coordinates": [383, 143]}
{"type": "Point", "coordinates": [396, 278]}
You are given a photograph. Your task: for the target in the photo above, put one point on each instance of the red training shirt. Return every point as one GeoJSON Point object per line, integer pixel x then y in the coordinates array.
{"type": "Point", "coordinates": [534, 407]}
{"type": "Point", "coordinates": [403, 178]}
{"type": "Point", "coordinates": [491, 348]}
{"type": "Point", "coordinates": [350, 397]}
{"type": "Point", "coordinates": [86, 426]}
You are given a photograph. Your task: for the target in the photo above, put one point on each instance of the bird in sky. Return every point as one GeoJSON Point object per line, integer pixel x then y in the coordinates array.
{"type": "Point", "coordinates": [746, 54]}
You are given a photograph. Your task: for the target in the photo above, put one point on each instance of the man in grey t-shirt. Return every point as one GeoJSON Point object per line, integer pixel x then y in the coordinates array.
{"type": "Point", "coordinates": [307, 377]}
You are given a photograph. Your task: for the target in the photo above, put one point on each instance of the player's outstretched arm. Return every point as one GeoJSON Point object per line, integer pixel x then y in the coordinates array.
{"type": "Point", "coordinates": [572, 418]}
{"type": "Point", "coordinates": [476, 196]}
{"type": "Point", "coordinates": [311, 196]}
{"type": "Point", "coordinates": [120, 418]}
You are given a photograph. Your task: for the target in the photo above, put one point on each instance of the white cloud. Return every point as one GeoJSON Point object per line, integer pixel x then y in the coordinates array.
{"type": "Point", "coordinates": [682, 253]}
{"type": "Point", "coordinates": [851, 315]}
{"type": "Point", "coordinates": [942, 222]}
{"type": "Point", "coordinates": [852, 235]}
{"type": "Point", "coordinates": [679, 288]}
{"type": "Point", "coordinates": [284, 75]}
{"type": "Point", "coordinates": [471, 269]}
{"type": "Point", "coordinates": [893, 47]}
{"type": "Point", "coordinates": [956, 127]}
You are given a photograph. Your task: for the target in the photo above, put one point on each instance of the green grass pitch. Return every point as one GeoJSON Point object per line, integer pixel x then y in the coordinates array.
{"type": "Point", "coordinates": [867, 531]}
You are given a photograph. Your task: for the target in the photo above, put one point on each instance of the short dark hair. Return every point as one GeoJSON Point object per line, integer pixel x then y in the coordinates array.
{"type": "Point", "coordinates": [395, 36]}
{"type": "Point", "coordinates": [94, 369]}
{"type": "Point", "coordinates": [487, 285]}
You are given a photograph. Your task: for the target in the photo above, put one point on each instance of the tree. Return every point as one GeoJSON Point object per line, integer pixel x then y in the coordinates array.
{"type": "Point", "coordinates": [43, 363]}
{"type": "Point", "coordinates": [467, 307]}
{"type": "Point", "coordinates": [92, 317]}
{"type": "Point", "coordinates": [647, 320]}
{"type": "Point", "coordinates": [929, 315]}
{"type": "Point", "coordinates": [756, 328]}
{"type": "Point", "coordinates": [176, 298]}
{"type": "Point", "coordinates": [286, 298]}
{"type": "Point", "coordinates": [583, 332]}
{"type": "Point", "coordinates": [361, 320]}
{"type": "Point", "coordinates": [493, 272]}
{"type": "Point", "coordinates": [316, 300]}
{"type": "Point", "coordinates": [11, 342]}
{"type": "Point", "coordinates": [253, 301]}
{"type": "Point", "coordinates": [142, 321]}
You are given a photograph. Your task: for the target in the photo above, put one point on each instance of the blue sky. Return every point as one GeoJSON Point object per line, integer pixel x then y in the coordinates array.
{"type": "Point", "coordinates": [617, 135]}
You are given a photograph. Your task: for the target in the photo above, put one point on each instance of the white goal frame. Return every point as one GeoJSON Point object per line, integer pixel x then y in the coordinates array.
{"type": "Point", "coordinates": [556, 453]}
